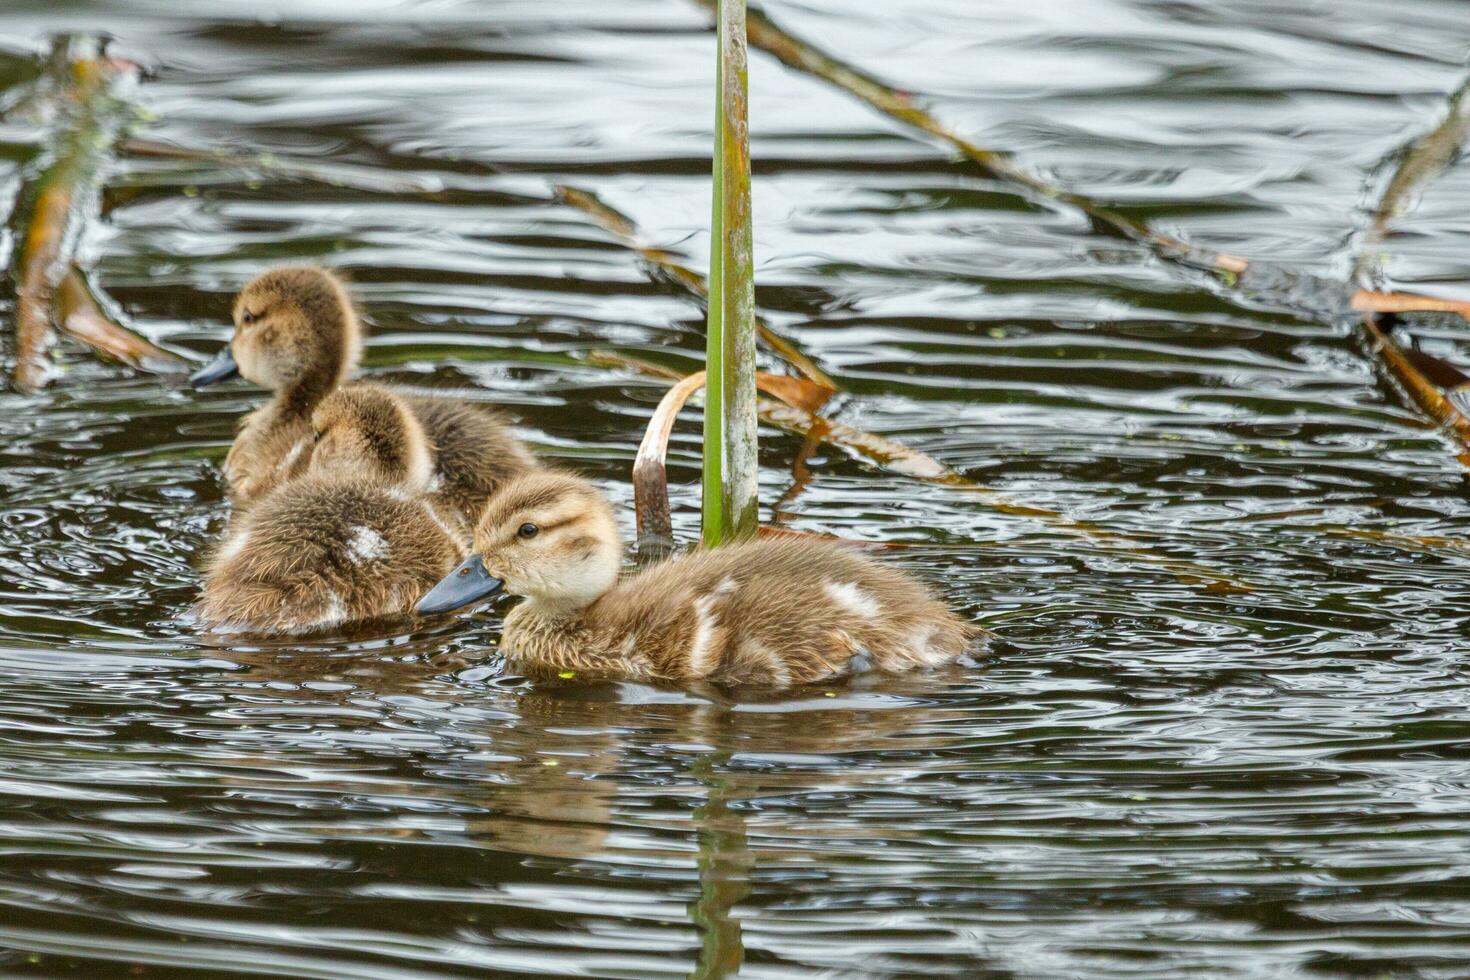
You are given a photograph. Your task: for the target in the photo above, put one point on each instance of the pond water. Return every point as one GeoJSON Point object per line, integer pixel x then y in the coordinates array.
{"type": "Point", "coordinates": [1144, 779]}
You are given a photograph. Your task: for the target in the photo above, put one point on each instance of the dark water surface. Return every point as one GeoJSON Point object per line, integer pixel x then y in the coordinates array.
{"type": "Point", "coordinates": [1145, 780]}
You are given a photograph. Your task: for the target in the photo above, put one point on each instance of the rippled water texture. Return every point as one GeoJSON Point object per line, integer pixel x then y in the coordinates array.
{"type": "Point", "coordinates": [1146, 779]}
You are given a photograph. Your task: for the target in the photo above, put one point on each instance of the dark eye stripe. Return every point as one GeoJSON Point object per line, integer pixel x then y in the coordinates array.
{"type": "Point", "coordinates": [542, 528]}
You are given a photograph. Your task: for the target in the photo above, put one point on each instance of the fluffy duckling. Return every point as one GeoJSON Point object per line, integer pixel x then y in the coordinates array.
{"type": "Point", "coordinates": [762, 612]}
{"type": "Point", "coordinates": [298, 335]}
{"type": "Point", "coordinates": [355, 537]}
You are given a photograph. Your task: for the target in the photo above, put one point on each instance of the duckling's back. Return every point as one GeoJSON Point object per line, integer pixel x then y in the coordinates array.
{"type": "Point", "coordinates": [475, 453]}
{"type": "Point", "coordinates": [315, 554]}
{"type": "Point", "coordinates": [779, 613]}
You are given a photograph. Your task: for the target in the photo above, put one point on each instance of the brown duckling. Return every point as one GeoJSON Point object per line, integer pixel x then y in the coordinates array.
{"type": "Point", "coordinates": [298, 335]}
{"type": "Point", "coordinates": [768, 612]}
{"type": "Point", "coordinates": [355, 537]}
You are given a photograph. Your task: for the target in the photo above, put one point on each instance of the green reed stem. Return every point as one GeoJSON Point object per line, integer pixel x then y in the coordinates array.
{"type": "Point", "coordinates": [729, 508]}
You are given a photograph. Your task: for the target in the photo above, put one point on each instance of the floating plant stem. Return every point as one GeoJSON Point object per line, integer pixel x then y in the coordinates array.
{"type": "Point", "coordinates": [82, 317]}
{"type": "Point", "coordinates": [371, 180]}
{"type": "Point", "coordinates": [1419, 163]}
{"type": "Point", "coordinates": [63, 192]}
{"type": "Point", "coordinates": [801, 476]}
{"type": "Point", "coordinates": [618, 224]}
{"type": "Point", "coordinates": [1421, 376]}
{"type": "Point", "coordinates": [897, 458]}
{"type": "Point", "coordinates": [1407, 542]}
{"type": "Point", "coordinates": [1372, 301]}
{"type": "Point", "coordinates": [729, 496]}
{"type": "Point", "coordinates": [1407, 368]}
{"type": "Point", "coordinates": [805, 57]}
{"type": "Point", "coordinates": [1278, 288]}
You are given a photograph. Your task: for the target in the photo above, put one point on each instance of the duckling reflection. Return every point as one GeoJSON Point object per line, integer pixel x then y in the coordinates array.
{"type": "Point", "coordinates": [352, 539]}
{"type": "Point", "coordinates": [761, 612]}
{"type": "Point", "coordinates": [298, 335]}
{"type": "Point", "coordinates": [577, 772]}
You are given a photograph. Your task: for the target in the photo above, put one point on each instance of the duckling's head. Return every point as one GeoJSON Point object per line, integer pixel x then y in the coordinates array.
{"type": "Point", "coordinates": [293, 326]}
{"type": "Point", "coordinates": [367, 431]}
{"type": "Point", "coordinates": [548, 536]}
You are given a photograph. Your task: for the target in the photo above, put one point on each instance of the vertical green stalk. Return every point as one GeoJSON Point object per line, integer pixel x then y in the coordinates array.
{"type": "Point", "coordinates": [730, 413]}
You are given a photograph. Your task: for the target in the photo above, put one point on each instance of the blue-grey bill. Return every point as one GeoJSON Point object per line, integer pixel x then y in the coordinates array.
{"type": "Point", "coordinates": [466, 584]}
{"type": "Point", "coordinates": [222, 368]}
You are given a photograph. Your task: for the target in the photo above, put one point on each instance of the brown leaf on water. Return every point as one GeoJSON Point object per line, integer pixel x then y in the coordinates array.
{"type": "Point", "coordinates": [801, 475]}
{"type": "Point", "coordinates": [800, 392]}
{"type": "Point", "coordinates": [1438, 371]}
{"type": "Point", "coordinates": [620, 225]}
{"type": "Point", "coordinates": [1406, 371]}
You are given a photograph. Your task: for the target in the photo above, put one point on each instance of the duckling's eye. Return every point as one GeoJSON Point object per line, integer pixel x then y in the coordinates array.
{"type": "Point", "coordinates": [527, 530]}
{"type": "Point", "coordinates": [247, 317]}
{"type": "Point", "coordinates": [317, 436]}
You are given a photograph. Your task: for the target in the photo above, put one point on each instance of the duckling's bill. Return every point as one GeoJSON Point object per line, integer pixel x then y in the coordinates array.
{"type": "Point", "coordinates": [222, 368]}
{"type": "Point", "coordinates": [468, 583]}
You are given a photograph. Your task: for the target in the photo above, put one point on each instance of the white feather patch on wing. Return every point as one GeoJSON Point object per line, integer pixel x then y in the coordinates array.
{"type": "Point", "coordinates": [701, 652]}
{"type": "Point", "coordinates": [233, 546]}
{"type": "Point", "coordinates": [366, 545]}
{"type": "Point", "coordinates": [434, 516]}
{"type": "Point", "coordinates": [780, 675]}
{"type": "Point", "coordinates": [704, 633]}
{"type": "Point", "coordinates": [851, 599]}
{"type": "Point", "coordinates": [923, 651]}
{"type": "Point", "coordinates": [289, 460]}
{"type": "Point", "coordinates": [336, 611]}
